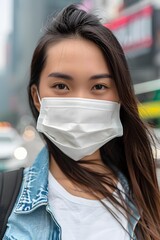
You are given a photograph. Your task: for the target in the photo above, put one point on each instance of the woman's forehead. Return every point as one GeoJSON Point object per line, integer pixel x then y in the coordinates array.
{"type": "Point", "coordinates": [71, 52]}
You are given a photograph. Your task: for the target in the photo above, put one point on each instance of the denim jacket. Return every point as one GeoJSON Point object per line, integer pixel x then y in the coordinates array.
{"type": "Point", "coordinates": [31, 217]}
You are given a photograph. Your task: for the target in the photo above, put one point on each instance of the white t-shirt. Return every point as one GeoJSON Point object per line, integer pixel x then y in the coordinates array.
{"type": "Point", "coordinates": [84, 219]}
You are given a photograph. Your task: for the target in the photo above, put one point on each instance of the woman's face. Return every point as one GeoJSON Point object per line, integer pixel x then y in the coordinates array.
{"type": "Point", "coordinates": [75, 68]}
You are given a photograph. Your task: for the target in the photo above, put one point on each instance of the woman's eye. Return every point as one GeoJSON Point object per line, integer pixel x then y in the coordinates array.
{"type": "Point", "coordinates": [99, 87]}
{"type": "Point", "coordinates": [61, 86]}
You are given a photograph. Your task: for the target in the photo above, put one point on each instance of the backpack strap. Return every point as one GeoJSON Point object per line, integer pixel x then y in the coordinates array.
{"type": "Point", "coordinates": [10, 183]}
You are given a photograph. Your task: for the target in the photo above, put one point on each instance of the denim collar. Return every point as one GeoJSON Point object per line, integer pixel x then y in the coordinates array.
{"type": "Point", "coordinates": [34, 191]}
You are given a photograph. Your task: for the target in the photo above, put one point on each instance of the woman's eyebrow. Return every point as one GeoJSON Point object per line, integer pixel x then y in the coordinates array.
{"type": "Point", "coordinates": [103, 75]}
{"type": "Point", "coordinates": [68, 77]}
{"type": "Point", "coordinates": [60, 75]}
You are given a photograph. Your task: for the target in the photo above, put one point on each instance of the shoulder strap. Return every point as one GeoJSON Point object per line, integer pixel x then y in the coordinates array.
{"type": "Point", "coordinates": [10, 183]}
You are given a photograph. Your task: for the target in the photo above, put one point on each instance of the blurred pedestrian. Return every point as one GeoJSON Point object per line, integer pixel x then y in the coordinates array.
{"type": "Point", "coordinates": [95, 178]}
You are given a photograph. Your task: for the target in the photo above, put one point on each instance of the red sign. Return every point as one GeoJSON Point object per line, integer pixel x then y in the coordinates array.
{"type": "Point", "coordinates": [134, 31]}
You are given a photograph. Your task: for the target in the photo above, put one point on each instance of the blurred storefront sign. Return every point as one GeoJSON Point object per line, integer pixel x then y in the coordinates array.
{"type": "Point", "coordinates": [134, 31]}
{"type": "Point", "coordinates": [150, 110]}
{"type": "Point", "coordinates": [138, 30]}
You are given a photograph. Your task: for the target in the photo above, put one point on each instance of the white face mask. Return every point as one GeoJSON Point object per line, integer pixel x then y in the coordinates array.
{"type": "Point", "coordinates": [78, 126]}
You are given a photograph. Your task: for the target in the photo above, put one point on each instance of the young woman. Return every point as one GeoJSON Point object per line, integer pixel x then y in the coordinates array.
{"type": "Point", "coordinates": [96, 177]}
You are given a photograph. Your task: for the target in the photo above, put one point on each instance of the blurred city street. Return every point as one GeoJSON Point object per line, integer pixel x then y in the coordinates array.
{"type": "Point", "coordinates": [33, 148]}
{"type": "Point", "coordinates": [136, 25]}
{"type": "Point", "coordinates": [85, 76]}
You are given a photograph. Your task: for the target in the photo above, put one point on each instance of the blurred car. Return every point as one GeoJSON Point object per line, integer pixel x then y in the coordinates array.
{"type": "Point", "coordinates": [13, 154]}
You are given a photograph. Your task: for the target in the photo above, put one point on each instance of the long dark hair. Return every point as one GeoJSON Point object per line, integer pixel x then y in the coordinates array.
{"type": "Point", "coordinates": [130, 154]}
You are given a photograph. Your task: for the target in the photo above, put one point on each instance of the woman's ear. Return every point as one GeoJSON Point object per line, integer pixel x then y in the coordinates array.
{"type": "Point", "coordinates": [34, 93]}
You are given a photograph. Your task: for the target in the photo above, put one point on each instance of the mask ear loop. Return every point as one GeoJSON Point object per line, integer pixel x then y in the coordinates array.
{"type": "Point", "coordinates": [38, 97]}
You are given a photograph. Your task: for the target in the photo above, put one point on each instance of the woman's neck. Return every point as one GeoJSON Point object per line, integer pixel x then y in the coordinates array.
{"type": "Point", "coordinates": [78, 189]}
{"type": "Point", "coordinates": [95, 157]}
